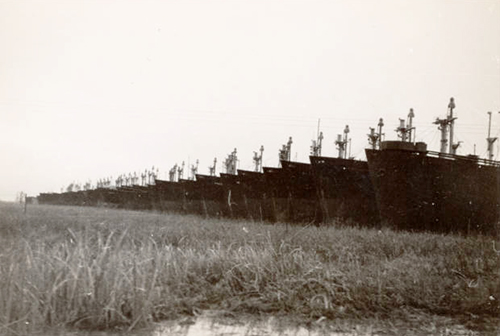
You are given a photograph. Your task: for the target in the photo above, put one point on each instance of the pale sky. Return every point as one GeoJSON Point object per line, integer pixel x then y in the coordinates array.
{"type": "Point", "coordinates": [92, 89]}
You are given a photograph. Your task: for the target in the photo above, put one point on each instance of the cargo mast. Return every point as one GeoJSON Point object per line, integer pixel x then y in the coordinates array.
{"type": "Point", "coordinates": [451, 106]}
{"type": "Point", "coordinates": [180, 171]}
{"type": "Point", "coordinates": [257, 159]}
{"type": "Point", "coordinates": [212, 168]}
{"type": "Point", "coordinates": [341, 143]}
{"type": "Point", "coordinates": [171, 173]}
{"type": "Point", "coordinates": [380, 134]}
{"type": "Point", "coordinates": [443, 127]}
{"type": "Point", "coordinates": [194, 170]}
{"type": "Point", "coordinates": [285, 151]}
{"type": "Point", "coordinates": [404, 131]}
{"type": "Point", "coordinates": [316, 145]}
{"type": "Point", "coordinates": [374, 139]}
{"type": "Point", "coordinates": [231, 162]}
{"type": "Point", "coordinates": [490, 140]}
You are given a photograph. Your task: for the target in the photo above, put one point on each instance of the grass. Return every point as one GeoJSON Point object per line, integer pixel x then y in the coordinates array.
{"type": "Point", "coordinates": [97, 268]}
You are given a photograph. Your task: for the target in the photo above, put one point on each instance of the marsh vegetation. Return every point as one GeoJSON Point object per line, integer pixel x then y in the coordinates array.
{"type": "Point", "coordinates": [97, 268]}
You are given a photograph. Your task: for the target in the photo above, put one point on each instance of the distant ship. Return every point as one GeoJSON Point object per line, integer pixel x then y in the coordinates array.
{"type": "Point", "coordinates": [345, 191]}
{"type": "Point", "coordinates": [417, 189]}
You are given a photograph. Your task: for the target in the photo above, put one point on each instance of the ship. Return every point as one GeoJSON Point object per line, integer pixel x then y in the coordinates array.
{"type": "Point", "coordinates": [421, 190]}
{"type": "Point", "coordinates": [293, 193]}
{"type": "Point", "coordinates": [344, 189]}
{"type": "Point", "coordinates": [290, 190]}
{"type": "Point", "coordinates": [245, 195]}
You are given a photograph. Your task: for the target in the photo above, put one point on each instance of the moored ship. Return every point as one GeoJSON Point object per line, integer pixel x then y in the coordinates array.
{"type": "Point", "coordinates": [343, 186]}
{"type": "Point", "coordinates": [417, 189]}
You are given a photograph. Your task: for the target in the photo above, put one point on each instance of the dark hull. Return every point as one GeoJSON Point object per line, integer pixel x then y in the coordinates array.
{"type": "Point", "coordinates": [304, 205]}
{"type": "Point", "coordinates": [169, 196]}
{"type": "Point", "coordinates": [234, 197]}
{"type": "Point", "coordinates": [246, 195]}
{"type": "Point", "coordinates": [211, 194]}
{"type": "Point", "coordinates": [442, 193]}
{"type": "Point", "coordinates": [345, 191]}
{"type": "Point", "coordinates": [292, 193]}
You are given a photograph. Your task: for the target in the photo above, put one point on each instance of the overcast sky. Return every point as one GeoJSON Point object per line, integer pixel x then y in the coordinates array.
{"type": "Point", "coordinates": [92, 89]}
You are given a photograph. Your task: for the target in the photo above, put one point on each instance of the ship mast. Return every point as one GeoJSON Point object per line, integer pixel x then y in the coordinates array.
{"type": "Point", "coordinates": [257, 159]}
{"type": "Point", "coordinates": [380, 134]}
{"type": "Point", "coordinates": [443, 127]}
{"type": "Point", "coordinates": [194, 170]}
{"type": "Point", "coordinates": [171, 174]}
{"type": "Point", "coordinates": [451, 106]}
{"type": "Point", "coordinates": [490, 140]}
{"type": "Point", "coordinates": [341, 143]}
{"type": "Point", "coordinates": [230, 163]}
{"type": "Point", "coordinates": [374, 139]}
{"type": "Point", "coordinates": [411, 115]}
{"type": "Point", "coordinates": [212, 168]}
{"type": "Point", "coordinates": [180, 172]}
{"type": "Point", "coordinates": [316, 144]}
{"type": "Point", "coordinates": [289, 148]}
{"type": "Point", "coordinates": [285, 151]}
{"type": "Point", "coordinates": [404, 131]}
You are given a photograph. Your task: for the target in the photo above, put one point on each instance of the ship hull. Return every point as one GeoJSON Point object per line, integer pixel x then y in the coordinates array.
{"type": "Point", "coordinates": [169, 196]}
{"type": "Point", "coordinates": [255, 197]}
{"type": "Point", "coordinates": [345, 191]}
{"type": "Point", "coordinates": [418, 191]}
{"type": "Point", "coordinates": [292, 193]}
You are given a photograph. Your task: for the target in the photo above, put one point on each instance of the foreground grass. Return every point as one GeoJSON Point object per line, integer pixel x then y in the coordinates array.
{"type": "Point", "coordinates": [101, 268]}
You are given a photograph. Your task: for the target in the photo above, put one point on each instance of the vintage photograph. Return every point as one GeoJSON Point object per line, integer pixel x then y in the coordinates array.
{"type": "Point", "coordinates": [249, 167]}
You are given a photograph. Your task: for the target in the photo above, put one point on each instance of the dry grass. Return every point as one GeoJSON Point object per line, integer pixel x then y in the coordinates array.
{"type": "Point", "coordinates": [99, 268]}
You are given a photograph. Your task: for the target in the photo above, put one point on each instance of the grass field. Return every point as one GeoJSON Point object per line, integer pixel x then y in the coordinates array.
{"type": "Point", "coordinates": [98, 268]}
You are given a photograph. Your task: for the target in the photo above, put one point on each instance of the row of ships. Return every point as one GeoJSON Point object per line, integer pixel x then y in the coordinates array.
{"type": "Point", "coordinates": [401, 185]}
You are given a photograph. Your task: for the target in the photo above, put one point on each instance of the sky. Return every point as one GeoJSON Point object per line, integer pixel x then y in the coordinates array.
{"type": "Point", "coordinates": [95, 89]}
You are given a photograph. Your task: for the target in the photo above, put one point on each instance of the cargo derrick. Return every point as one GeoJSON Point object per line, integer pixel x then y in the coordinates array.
{"type": "Point", "coordinates": [418, 189]}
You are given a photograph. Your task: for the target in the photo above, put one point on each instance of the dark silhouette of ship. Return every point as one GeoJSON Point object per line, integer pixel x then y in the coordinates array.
{"type": "Point", "coordinates": [417, 189]}
{"type": "Point", "coordinates": [401, 185]}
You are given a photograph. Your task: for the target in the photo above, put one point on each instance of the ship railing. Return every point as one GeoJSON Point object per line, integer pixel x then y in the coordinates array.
{"type": "Point", "coordinates": [472, 159]}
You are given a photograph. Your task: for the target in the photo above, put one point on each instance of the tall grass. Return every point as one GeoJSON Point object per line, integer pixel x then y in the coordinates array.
{"type": "Point", "coordinates": [100, 268]}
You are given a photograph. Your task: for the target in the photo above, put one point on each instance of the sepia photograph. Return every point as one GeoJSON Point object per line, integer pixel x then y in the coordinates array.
{"type": "Point", "coordinates": [249, 167]}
